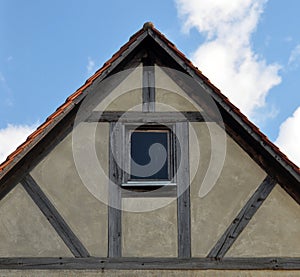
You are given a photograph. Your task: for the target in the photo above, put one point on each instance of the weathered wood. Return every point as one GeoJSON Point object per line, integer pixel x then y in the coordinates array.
{"type": "Point", "coordinates": [243, 218]}
{"type": "Point", "coordinates": [183, 190]}
{"type": "Point", "coordinates": [115, 180]}
{"type": "Point", "coordinates": [148, 84]}
{"type": "Point", "coordinates": [165, 191]}
{"type": "Point", "coordinates": [53, 216]}
{"type": "Point", "coordinates": [152, 263]}
{"type": "Point", "coordinates": [145, 117]}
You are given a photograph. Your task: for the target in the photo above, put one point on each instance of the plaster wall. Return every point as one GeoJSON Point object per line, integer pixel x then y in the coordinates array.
{"type": "Point", "coordinates": [149, 234]}
{"type": "Point", "coordinates": [127, 95]}
{"type": "Point", "coordinates": [77, 194]}
{"type": "Point", "coordinates": [273, 231]}
{"type": "Point", "coordinates": [25, 231]}
{"type": "Point", "coordinates": [237, 180]}
{"type": "Point", "coordinates": [169, 96]}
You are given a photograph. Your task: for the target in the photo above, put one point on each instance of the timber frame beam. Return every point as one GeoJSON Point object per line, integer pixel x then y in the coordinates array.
{"type": "Point", "coordinates": [242, 219]}
{"type": "Point", "coordinates": [53, 216]}
{"type": "Point", "coordinates": [269, 263]}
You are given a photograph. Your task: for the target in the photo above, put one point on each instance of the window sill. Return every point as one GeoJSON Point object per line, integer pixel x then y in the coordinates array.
{"type": "Point", "coordinates": [147, 184]}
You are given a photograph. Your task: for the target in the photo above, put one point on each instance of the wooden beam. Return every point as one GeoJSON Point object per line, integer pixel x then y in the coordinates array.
{"type": "Point", "coordinates": [148, 84]}
{"type": "Point", "coordinates": [243, 218]}
{"type": "Point", "coordinates": [183, 190]}
{"type": "Point", "coordinates": [114, 190]}
{"type": "Point", "coordinates": [165, 191]}
{"type": "Point", "coordinates": [268, 263]}
{"type": "Point", "coordinates": [54, 218]}
{"type": "Point", "coordinates": [145, 117]}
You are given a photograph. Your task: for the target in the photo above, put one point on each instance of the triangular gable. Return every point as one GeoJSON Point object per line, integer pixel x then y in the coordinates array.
{"type": "Point", "coordinates": [245, 191]}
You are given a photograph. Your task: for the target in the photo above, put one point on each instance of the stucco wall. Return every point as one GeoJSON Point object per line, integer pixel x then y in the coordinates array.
{"type": "Point", "coordinates": [273, 231]}
{"type": "Point", "coordinates": [169, 96]}
{"type": "Point", "coordinates": [127, 95]}
{"type": "Point", "coordinates": [149, 234]}
{"type": "Point", "coordinates": [60, 180]}
{"type": "Point", "coordinates": [240, 176]}
{"type": "Point", "coordinates": [25, 231]}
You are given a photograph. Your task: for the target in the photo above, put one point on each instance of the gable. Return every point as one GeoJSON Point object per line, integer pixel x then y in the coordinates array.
{"type": "Point", "coordinates": [221, 171]}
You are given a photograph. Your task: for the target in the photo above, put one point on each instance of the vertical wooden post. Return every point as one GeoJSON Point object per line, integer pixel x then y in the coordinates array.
{"type": "Point", "coordinates": [114, 191]}
{"type": "Point", "coordinates": [148, 85]}
{"type": "Point", "coordinates": [183, 190]}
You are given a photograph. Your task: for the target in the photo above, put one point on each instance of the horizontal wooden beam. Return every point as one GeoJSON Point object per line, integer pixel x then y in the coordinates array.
{"type": "Point", "coordinates": [145, 117]}
{"type": "Point", "coordinates": [165, 191]}
{"type": "Point", "coordinates": [53, 216]}
{"type": "Point", "coordinates": [152, 263]}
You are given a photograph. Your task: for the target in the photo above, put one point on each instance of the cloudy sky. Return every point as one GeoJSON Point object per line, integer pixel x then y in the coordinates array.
{"type": "Point", "coordinates": [250, 49]}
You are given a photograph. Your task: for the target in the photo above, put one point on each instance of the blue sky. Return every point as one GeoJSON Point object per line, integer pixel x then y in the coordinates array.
{"type": "Point", "coordinates": [250, 49]}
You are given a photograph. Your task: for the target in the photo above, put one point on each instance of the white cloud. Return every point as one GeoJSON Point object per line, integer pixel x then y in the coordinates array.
{"type": "Point", "coordinates": [12, 136]}
{"type": "Point", "coordinates": [226, 57]}
{"type": "Point", "coordinates": [289, 137]}
{"type": "Point", "coordinates": [294, 59]}
{"type": "Point", "coordinates": [90, 66]}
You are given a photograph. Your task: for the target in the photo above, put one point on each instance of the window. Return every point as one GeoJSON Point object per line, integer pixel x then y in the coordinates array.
{"type": "Point", "coordinates": [133, 140]}
{"type": "Point", "coordinates": [149, 155]}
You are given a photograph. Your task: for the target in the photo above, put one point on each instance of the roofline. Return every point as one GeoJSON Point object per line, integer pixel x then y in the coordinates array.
{"type": "Point", "coordinates": [186, 64]}
{"type": "Point", "coordinates": [69, 103]}
{"type": "Point", "coordinates": [224, 102]}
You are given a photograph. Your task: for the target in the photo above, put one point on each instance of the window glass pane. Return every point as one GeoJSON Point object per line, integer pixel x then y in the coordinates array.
{"type": "Point", "coordinates": [149, 155]}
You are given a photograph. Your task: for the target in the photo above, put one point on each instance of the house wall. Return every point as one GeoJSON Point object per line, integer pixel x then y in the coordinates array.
{"type": "Point", "coordinates": [74, 176]}
{"type": "Point", "coordinates": [273, 231]}
{"type": "Point", "coordinates": [25, 231]}
{"type": "Point", "coordinates": [235, 182]}
{"type": "Point", "coordinates": [125, 96]}
{"type": "Point", "coordinates": [169, 96]}
{"type": "Point", "coordinates": [152, 233]}
{"type": "Point", "coordinates": [75, 193]}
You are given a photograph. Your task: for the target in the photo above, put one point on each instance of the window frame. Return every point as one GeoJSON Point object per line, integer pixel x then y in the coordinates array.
{"type": "Point", "coordinates": [171, 152]}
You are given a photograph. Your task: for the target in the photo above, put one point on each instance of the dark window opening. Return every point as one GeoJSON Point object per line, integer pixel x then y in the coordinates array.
{"type": "Point", "coordinates": [150, 154]}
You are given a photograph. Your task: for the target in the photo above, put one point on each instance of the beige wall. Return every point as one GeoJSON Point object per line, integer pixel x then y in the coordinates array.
{"type": "Point", "coordinates": [25, 231]}
{"type": "Point", "coordinates": [239, 177]}
{"type": "Point", "coordinates": [79, 204]}
{"type": "Point", "coordinates": [273, 231]}
{"type": "Point", "coordinates": [127, 95]}
{"type": "Point", "coordinates": [169, 96]}
{"type": "Point", "coordinates": [149, 234]}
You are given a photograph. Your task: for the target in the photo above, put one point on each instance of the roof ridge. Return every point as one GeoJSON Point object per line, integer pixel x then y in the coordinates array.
{"type": "Point", "coordinates": [71, 100]}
